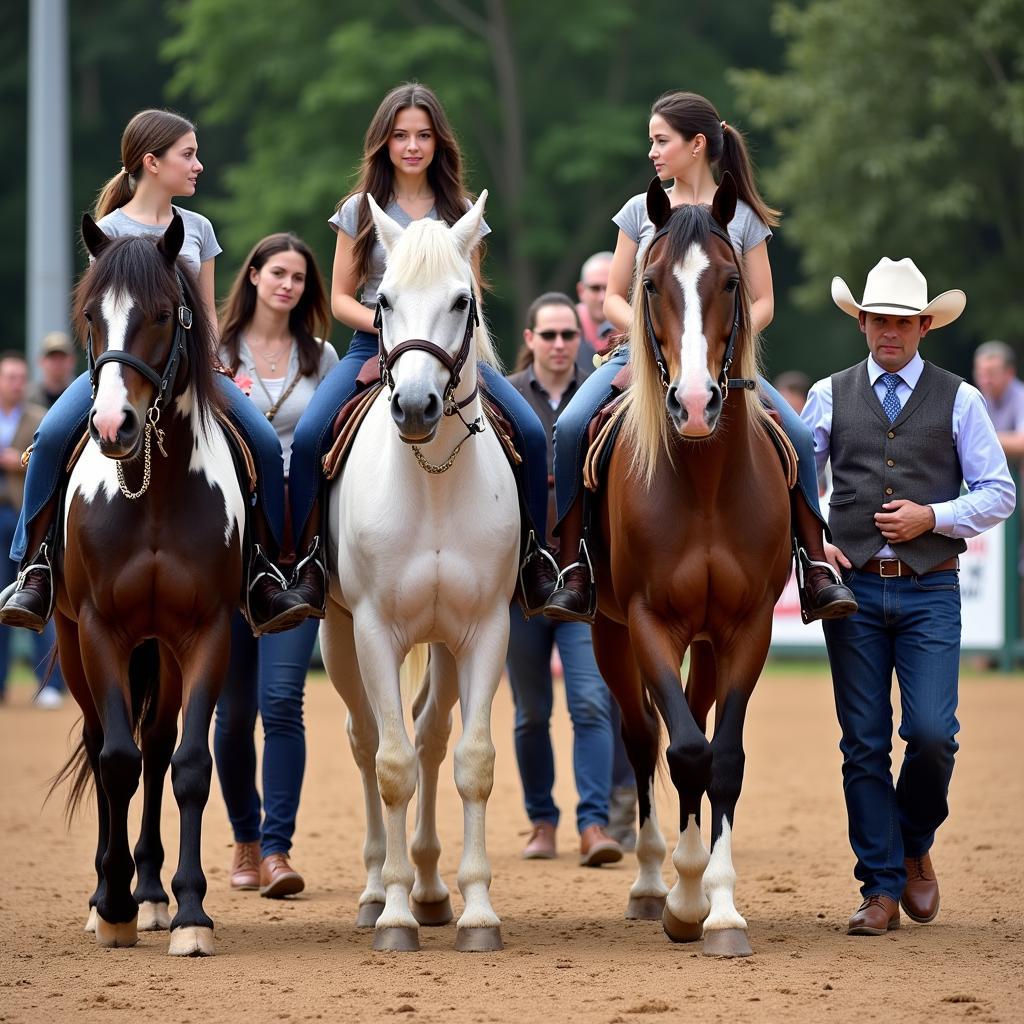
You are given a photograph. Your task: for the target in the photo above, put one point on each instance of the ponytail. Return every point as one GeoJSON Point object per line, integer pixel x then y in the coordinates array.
{"type": "Point", "coordinates": [114, 194]}
{"type": "Point", "coordinates": [736, 160]}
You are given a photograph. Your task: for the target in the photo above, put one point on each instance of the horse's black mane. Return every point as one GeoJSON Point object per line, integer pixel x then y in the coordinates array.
{"type": "Point", "coordinates": [134, 264]}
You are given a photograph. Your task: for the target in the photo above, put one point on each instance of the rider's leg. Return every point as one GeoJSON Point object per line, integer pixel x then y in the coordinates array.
{"type": "Point", "coordinates": [575, 597]}
{"type": "Point", "coordinates": [823, 595]}
{"type": "Point", "coordinates": [305, 477]}
{"type": "Point", "coordinates": [537, 568]}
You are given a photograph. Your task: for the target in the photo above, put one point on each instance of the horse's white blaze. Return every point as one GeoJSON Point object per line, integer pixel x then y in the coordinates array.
{"type": "Point", "coordinates": [687, 900]}
{"type": "Point", "coordinates": [695, 382]}
{"type": "Point", "coordinates": [111, 393]}
{"type": "Point", "coordinates": [720, 883]}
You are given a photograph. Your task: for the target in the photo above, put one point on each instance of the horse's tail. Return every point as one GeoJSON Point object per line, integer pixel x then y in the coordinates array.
{"type": "Point", "coordinates": [414, 673]}
{"type": "Point", "coordinates": [144, 680]}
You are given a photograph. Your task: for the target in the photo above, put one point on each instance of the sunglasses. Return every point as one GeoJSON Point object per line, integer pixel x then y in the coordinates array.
{"type": "Point", "coordinates": [567, 335]}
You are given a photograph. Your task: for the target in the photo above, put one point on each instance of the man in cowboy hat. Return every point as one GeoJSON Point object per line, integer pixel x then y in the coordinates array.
{"type": "Point", "coordinates": [902, 436]}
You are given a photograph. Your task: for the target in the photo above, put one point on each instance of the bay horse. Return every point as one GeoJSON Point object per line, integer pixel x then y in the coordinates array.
{"type": "Point", "coordinates": [695, 553]}
{"type": "Point", "coordinates": [424, 533]}
{"type": "Point", "coordinates": [151, 575]}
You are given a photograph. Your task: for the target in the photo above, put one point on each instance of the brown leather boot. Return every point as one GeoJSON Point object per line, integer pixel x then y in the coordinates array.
{"type": "Point", "coordinates": [597, 847]}
{"type": "Point", "coordinates": [921, 895]}
{"type": "Point", "coordinates": [28, 601]}
{"type": "Point", "coordinates": [538, 573]}
{"type": "Point", "coordinates": [245, 867]}
{"type": "Point", "coordinates": [823, 595]}
{"type": "Point", "coordinates": [269, 606]}
{"type": "Point", "coordinates": [876, 915]}
{"type": "Point", "coordinates": [278, 878]}
{"type": "Point", "coordinates": [309, 579]}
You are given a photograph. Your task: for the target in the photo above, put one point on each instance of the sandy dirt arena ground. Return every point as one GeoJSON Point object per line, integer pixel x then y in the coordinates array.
{"type": "Point", "coordinates": [569, 955]}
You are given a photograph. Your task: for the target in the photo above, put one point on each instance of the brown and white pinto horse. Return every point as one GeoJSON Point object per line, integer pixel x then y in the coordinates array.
{"type": "Point", "coordinates": [695, 552]}
{"type": "Point", "coordinates": [151, 576]}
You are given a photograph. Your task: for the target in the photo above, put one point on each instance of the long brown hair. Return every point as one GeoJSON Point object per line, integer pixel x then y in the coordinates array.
{"type": "Point", "coordinates": [377, 173]}
{"type": "Point", "coordinates": [691, 114]}
{"type": "Point", "coordinates": [149, 131]}
{"type": "Point", "coordinates": [309, 320]}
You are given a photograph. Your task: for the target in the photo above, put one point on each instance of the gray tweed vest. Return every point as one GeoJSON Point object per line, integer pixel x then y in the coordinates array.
{"type": "Point", "coordinates": [875, 461]}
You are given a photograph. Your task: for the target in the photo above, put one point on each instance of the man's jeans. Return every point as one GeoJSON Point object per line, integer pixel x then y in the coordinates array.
{"type": "Point", "coordinates": [529, 670]}
{"type": "Point", "coordinates": [910, 624]}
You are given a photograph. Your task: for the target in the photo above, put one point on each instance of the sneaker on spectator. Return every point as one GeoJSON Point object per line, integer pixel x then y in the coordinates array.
{"type": "Point", "coordinates": [49, 699]}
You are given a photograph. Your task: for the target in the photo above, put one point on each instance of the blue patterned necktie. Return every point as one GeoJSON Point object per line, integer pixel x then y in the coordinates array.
{"type": "Point", "coordinates": [890, 403]}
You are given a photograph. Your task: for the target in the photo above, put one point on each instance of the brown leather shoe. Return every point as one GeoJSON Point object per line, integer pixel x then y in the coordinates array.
{"type": "Point", "coordinates": [538, 574]}
{"type": "Point", "coordinates": [876, 915]}
{"type": "Point", "coordinates": [278, 878]}
{"type": "Point", "coordinates": [541, 844]}
{"type": "Point", "coordinates": [245, 867]}
{"type": "Point", "coordinates": [597, 847]}
{"type": "Point", "coordinates": [823, 596]}
{"type": "Point", "coordinates": [28, 601]}
{"type": "Point", "coordinates": [921, 896]}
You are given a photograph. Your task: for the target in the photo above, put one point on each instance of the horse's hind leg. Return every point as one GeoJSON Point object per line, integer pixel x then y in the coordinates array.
{"type": "Point", "coordinates": [337, 646]}
{"type": "Point", "coordinates": [640, 735]}
{"type": "Point", "coordinates": [433, 720]}
{"type": "Point", "coordinates": [159, 733]}
{"type": "Point", "coordinates": [203, 667]}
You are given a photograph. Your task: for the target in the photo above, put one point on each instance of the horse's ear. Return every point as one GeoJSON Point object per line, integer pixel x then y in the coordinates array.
{"type": "Point", "coordinates": [658, 206]}
{"type": "Point", "coordinates": [172, 239]}
{"type": "Point", "coordinates": [724, 205]}
{"type": "Point", "coordinates": [389, 231]}
{"type": "Point", "coordinates": [467, 228]}
{"type": "Point", "coordinates": [96, 240]}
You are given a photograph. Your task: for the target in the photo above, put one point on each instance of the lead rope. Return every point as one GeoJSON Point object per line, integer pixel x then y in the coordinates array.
{"type": "Point", "coordinates": [152, 418]}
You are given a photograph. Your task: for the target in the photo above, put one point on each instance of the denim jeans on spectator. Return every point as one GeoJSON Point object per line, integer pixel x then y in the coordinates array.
{"type": "Point", "coordinates": [268, 675]}
{"type": "Point", "coordinates": [529, 669]}
{"type": "Point", "coordinates": [910, 624]}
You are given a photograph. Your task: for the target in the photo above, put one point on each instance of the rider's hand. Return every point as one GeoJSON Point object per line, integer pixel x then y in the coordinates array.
{"type": "Point", "coordinates": [836, 558]}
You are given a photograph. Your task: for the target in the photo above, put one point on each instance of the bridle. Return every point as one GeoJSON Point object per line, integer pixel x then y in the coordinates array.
{"type": "Point", "coordinates": [724, 380]}
{"type": "Point", "coordinates": [162, 382]}
{"type": "Point", "coordinates": [453, 364]}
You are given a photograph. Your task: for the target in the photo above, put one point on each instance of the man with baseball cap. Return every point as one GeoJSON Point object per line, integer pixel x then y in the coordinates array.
{"type": "Point", "coordinates": [902, 435]}
{"type": "Point", "coordinates": [57, 369]}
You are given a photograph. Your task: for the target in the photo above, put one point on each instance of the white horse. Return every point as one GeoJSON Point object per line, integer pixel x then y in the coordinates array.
{"type": "Point", "coordinates": [424, 527]}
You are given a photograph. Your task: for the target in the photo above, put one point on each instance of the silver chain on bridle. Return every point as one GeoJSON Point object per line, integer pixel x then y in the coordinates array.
{"type": "Point", "coordinates": [152, 418]}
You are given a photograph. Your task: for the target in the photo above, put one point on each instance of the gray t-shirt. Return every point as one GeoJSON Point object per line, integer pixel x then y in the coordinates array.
{"type": "Point", "coordinates": [200, 242]}
{"type": "Point", "coordinates": [746, 229]}
{"type": "Point", "coordinates": [347, 219]}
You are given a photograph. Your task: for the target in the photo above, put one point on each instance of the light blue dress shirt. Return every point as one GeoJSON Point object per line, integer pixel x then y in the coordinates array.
{"type": "Point", "coordinates": [990, 496]}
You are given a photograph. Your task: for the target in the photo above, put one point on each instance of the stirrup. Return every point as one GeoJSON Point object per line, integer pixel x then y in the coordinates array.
{"type": "Point", "coordinates": [259, 567]}
{"type": "Point", "coordinates": [534, 549]}
{"type": "Point", "coordinates": [313, 555]}
{"type": "Point", "coordinates": [39, 561]}
{"type": "Point", "coordinates": [803, 563]}
{"type": "Point", "coordinates": [583, 562]}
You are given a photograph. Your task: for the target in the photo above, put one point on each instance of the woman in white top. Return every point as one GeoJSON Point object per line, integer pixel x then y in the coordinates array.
{"type": "Point", "coordinates": [691, 146]}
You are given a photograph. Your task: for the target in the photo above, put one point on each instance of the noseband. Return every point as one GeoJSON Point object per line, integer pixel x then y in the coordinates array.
{"type": "Point", "coordinates": [163, 382]}
{"type": "Point", "coordinates": [453, 364]}
{"type": "Point", "coordinates": [724, 380]}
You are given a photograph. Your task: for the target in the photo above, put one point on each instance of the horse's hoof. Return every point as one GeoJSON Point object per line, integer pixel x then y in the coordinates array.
{"type": "Point", "coordinates": [680, 931]}
{"type": "Point", "coordinates": [396, 939]}
{"type": "Point", "coordinates": [727, 942]}
{"type": "Point", "coordinates": [154, 917]}
{"type": "Point", "coordinates": [191, 941]}
{"type": "Point", "coordinates": [368, 914]}
{"type": "Point", "coordinates": [479, 940]}
{"type": "Point", "coordinates": [432, 915]}
{"type": "Point", "coordinates": [115, 936]}
{"type": "Point", "coordinates": [645, 908]}
{"type": "Point", "coordinates": [90, 923]}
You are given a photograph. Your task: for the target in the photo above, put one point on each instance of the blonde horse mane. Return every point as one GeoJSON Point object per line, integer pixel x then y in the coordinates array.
{"type": "Point", "coordinates": [645, 424]}
{"type": "Point", "coordinates": [427, 252]}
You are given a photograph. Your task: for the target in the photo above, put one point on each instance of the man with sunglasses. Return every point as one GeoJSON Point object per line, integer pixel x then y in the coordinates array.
{"type": "Point", "coordinates": [591, 290]}
{"type": "Point", "coordinates": [547, 379]}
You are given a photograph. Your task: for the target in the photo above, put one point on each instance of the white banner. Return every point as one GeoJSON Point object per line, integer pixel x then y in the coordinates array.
{"type": "Point", "coordinates": [982, 598]}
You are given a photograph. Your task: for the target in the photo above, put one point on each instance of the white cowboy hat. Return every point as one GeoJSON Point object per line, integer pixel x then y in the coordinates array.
{"type": "Point", "coordinates": [898, 288]}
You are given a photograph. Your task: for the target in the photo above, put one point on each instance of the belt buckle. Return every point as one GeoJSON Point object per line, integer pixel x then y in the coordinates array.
{"type": "Point", "coordinates": [889, 575]}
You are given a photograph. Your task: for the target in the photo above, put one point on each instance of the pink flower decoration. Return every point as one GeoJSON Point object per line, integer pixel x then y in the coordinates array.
{"type": "Point", "coordinates": [244, 381]}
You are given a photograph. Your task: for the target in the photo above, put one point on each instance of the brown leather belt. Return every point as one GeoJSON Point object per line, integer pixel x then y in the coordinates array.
{"type": "Point", "coordinates": [889, 568]}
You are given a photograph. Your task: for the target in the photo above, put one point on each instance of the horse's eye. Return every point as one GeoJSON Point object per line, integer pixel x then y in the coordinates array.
{"type": "Point", "coordinates": [732, 284]}
{"type": "Point", "coordinates": [649, 286]}
{"type": "Point", "coordinates": [164, 316]}
{"type": "Point", "coordinates": [461, 304]}
{"type": "Point", "coordinates": [87, 315]}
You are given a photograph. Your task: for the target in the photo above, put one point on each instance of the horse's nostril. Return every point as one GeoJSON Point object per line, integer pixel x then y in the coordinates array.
{"type": "Point", "coordinates": [673, 404]}
{"type": "Point", "coordinates": [432, 408]}
{"type": "Point", "coordinates": [714, 403]}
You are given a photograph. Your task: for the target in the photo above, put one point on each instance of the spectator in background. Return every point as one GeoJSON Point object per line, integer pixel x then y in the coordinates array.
{"type": "Point", "coordinates": [793, 386]}
{"type": "Point", "coordinates": [549, 380]}
{"type": "Point", "coordinates": [18, 421]}
{"type": "Point", "coordinates": [995, 374]}
{"type": "Point", "coordinates": [591, 289]}
{"type": "Point", "coordinates": [57, 369]}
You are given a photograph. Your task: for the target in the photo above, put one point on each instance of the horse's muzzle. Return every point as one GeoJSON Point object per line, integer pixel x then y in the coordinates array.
{"type": "Point", "coordinates": [694, 414]}
{"type": "Point", "coordinates": [416, 414]}
{"type": "Point", "coordinates": [122, 443]}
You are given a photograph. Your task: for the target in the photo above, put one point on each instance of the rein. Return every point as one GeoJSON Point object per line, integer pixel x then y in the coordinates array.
{"type": "Point", "coordinates": [724, 380]}
{"type": "Point", "coordinates": [163, 382]}
{"type": "Point", "coordinates": [453, 364]}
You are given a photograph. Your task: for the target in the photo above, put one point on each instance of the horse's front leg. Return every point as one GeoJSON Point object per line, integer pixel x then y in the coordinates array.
{"type": "Point", "coordinates": [479, 672]}
{"type": "Point", "coordinates": [432, 712]}
{"type": "Point", "coordinates": [397, 928]}
{"type": "Point", "coordinates": [725, 930]}
{"type": "Point", "coordinates": [203, 667]}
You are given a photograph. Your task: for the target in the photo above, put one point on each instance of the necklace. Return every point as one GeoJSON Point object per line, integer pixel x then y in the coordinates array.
{"type": "Point", "coordinates": [271, 358]}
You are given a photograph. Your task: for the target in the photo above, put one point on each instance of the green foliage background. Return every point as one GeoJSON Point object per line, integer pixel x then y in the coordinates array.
{"type": "Point", "coordinates": [880, 129]}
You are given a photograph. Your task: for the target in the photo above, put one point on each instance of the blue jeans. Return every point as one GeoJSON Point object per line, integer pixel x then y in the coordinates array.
{"type": "Point", "coordinates": [529, 671]}
{"type": "Point", "coordinates": [65, 423]}
{"type": "Point", "coordinates": [910, 624]}
{"type": "Point", "coordinates": [313, 435]}
{"type": "Point", "coordinates": [571, 434]}
{"type": "Point", "coordinates": [269, 675]}
{"type": "Point", "coordinates": [42, 643]}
